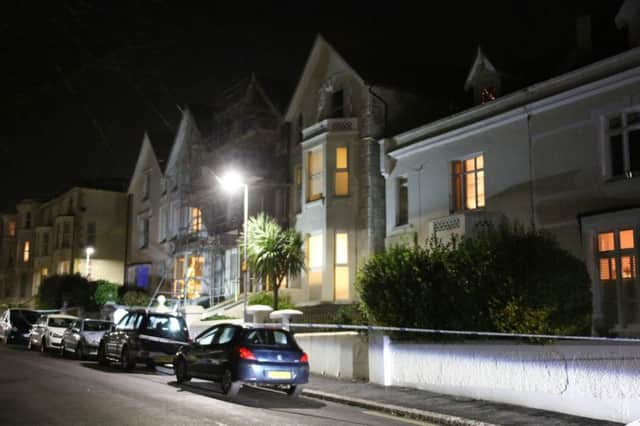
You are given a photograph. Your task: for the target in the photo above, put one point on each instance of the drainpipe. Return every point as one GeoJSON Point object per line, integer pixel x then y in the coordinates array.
{"type": "Point", "coordinates": [372, 174]}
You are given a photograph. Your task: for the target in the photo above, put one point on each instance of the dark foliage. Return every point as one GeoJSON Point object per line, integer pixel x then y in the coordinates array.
{"type": "Point", "coordinates": [72, 289]}
{"type": "Point", "coordinates": [507, 279]}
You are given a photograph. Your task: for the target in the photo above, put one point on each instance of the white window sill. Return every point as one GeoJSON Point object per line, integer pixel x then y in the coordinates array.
{"type": "Point", "coordinates": [316, 203]}
{"type": "Point", "coordinates": [401, 229]}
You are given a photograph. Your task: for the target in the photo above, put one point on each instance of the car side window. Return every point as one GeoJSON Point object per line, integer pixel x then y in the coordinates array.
{"type": "Point", "coordinates": [207, 338]}
{"type": "Point", "coordinates": [225, 336]}
{"type": "Point", "coordinates": [122, 325]}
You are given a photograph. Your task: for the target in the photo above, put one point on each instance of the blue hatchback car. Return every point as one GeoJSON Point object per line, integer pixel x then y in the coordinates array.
{"type": "Point", "coordinates": [233, 355]}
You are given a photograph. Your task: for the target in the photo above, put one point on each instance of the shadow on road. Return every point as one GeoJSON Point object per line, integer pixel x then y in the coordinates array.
{"type": "Point", "coordinates": [139, 369]}
{"type": "Point", "coordinates": [249, 396]}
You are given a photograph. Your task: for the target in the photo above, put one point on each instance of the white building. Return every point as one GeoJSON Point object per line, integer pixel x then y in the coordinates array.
{"type": "Point", "coordinates": [562, 155]}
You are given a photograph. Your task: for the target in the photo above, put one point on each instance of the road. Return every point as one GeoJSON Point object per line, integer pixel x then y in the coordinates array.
{"type": "Point", "coordinates": [37, 389]}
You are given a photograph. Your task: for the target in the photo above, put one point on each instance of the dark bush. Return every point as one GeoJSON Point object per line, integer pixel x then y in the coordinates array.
{"type": "Point", "coordinates": [74, 290]}
{"type": "Point", "coordinates": [266, 298]}
{"type": "Point", "coordinates": [135, 298]}
{"type": "Point", "coordinates": [106, 292]}
{"type": "Point", "coordinates": [506, 279]}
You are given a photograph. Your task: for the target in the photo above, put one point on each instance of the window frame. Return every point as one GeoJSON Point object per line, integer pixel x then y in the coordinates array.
{"type": "Point", "coordinates": [340, 170]}
{"type": "Point", "coordinates": [623, 130]}
{"type": "Point", "coordinates": [461, 205]}
{"type": "Point", "coordinates": [310, 198]}
{"type": "Point", "coordinates": [398, 194]}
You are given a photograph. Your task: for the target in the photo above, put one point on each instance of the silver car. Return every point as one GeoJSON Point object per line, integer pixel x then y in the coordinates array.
{"type": "Point", "coordinates": [83, 337]}
{"type": "Point", "coordinates": [37, 331]}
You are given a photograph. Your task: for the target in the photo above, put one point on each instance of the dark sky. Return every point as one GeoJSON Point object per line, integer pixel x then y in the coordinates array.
{"type": "Point", "coordinates": [81, 80]}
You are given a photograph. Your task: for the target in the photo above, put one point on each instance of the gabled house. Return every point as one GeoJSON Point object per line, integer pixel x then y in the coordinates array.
{"type": "Point", "coordinates": [335, 117]}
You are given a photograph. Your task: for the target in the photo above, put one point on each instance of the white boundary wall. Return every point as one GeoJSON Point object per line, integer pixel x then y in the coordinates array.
{"type": "Point", "coordinates": [585, 379]}
{"type": "Point", "coordinates": [336, 354]}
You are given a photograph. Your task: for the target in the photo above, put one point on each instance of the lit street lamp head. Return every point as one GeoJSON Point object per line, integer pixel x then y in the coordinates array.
{"type": "Point", "coordinates": [89, 250]}
{"type": "Point", "coordinates": [231, 180]}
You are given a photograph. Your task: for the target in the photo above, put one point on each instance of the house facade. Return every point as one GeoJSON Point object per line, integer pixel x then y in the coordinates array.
{"type": "Point", "coordinates": [336, 198]}
{"type": "Point", "coordinates": [562, 155]}
{"type": "Point", "coordinates": [46, 238]}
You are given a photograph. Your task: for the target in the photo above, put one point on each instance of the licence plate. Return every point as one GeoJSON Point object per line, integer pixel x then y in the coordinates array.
{"type": "Point", "coordinates": [279, 374]}
{"type": "Point", "coordinates": [163, 359]}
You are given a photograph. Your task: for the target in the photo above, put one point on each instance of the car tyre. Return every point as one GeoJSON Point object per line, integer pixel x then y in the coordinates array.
{"type": "Point", "coordinates": [181, 371]}
{"type": "Point", "coordinates": [126, 363]}
{"type": "Point", "coordinates": [229, 387]}
{"type": "Point", "coordinates": [102, 355]}
{"type": "Point", "coordinates": [294, 391]}
{"type": "Point", "coordinates": [43, 345]}
{"type": "Point", "coordinates": [63, 350]}
{"type": "Point", "coordinates": [29, 345]}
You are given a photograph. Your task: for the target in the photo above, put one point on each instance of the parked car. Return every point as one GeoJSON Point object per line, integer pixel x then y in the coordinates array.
{"type": "Point", "coordinates": [143, 336]}
{"type": "Point", "coordinates": [47, 333]}
{"type": "Point", "coordinates": [15, 324]}
{"type": "Point", "coordinates": [233, 354]}
{"type": "Point", "coordinates": [83, 337]}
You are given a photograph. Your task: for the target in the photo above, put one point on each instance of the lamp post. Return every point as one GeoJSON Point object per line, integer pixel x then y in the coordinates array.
{"type": "Point", "coordinates": [230, 181]}
{"type": "Point", "coordinates": [89, 251]}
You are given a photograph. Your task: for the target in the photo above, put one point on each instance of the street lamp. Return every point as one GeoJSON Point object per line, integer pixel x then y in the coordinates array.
{"type": "Point", "coordinates": [89, 251]}
{"type": "Point", "coordinates": [230, 181]}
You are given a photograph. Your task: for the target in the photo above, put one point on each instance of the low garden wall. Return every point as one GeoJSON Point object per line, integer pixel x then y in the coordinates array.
{"type": "Point", "coordinates": [339, 354]}
{"type": "Point", "coordinates": [585, 379]}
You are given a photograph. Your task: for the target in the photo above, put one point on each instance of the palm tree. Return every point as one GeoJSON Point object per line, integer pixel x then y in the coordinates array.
{"type": "Point", "coordinates": [273, 253]}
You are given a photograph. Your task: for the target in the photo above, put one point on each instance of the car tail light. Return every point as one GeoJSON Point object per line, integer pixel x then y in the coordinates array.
{"type": "Point", "coordinates": [304, 358]}
{"type": "Point", "coordinates": [246, 354]}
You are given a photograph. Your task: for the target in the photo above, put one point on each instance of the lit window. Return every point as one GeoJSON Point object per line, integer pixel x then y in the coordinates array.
{"type": "Point", "coordinates": [195, 224]}
{"type": "Point", "coordinates": [342, 171]}
{"type": "Point", "coordinates": [314, 175]}
{"type": "Point", "coordinates": [26, 253]}
{"type": "Point", "coordinates": [314, 251]}
{"type": "Point", "coordinates": [468, 183]}
{"type": "Point", "coordinates": [12, 228]}
{"type": "Point", "coordinates": [402, 201]}
{"type": "Point", "coordinates": [342, 266]}
{"type": "Point", "coordinates": [45, 272]}
{"type": "Point", "coordinates": [616, 249]}
{"type": "Point", "coordinates": [623, 143]}
{"type": "Point", "coordinates": [487, 94]}
{"type": "Point", "coordinates": [178, 277]}
{"type": "Point", "coordinates": [626, 239]}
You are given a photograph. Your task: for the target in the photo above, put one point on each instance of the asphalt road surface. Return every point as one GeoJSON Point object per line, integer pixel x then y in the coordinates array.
{"type": "Point", "coordinates": [38, 389]}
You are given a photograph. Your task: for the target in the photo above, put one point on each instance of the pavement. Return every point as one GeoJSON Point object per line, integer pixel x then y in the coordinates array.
{"type": "Point", "coordinates": [433, 407]}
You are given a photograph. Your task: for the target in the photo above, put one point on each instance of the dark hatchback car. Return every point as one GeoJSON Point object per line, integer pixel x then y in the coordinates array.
{"type": "Point", "coordinates": [15, 325]}
{"type": "Point", "coordinates": [143, 336]}
{"type": "Point", "coordinates": [234, 354]}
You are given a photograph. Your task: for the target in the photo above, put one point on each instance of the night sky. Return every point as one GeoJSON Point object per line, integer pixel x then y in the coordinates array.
{"type": "Point", "coordinates": [81, 80]}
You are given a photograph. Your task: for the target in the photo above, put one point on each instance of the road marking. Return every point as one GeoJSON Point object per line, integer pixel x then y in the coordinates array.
{"type": "Point", "coordinates": [398, 419]}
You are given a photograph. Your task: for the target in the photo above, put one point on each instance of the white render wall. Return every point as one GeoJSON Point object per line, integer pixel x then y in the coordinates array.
{"type": "Point", "coordinates": [590, 380]}
{"type": "Point", "coordinates": [336, 354]}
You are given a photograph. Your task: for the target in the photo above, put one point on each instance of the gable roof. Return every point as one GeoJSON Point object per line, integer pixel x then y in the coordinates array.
{"type": "Point", "coordinates": [320, 47]}
{"type": "Point", "coordinates": [146, 150]}
{"type": "Point", "coordinates": [480, 64]}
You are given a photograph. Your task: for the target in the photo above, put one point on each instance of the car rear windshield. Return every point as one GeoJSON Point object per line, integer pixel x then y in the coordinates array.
{"type": "Point", "coordinates": [24, 318]}
{"type": "Point", "coordinates": [167, 326]}
{"type": "Point", "coordinates": [96, 326]}
{"type": "Point", "coordinates": [268, 337]}
{"type": "Point", "coordinates": [60, 322]}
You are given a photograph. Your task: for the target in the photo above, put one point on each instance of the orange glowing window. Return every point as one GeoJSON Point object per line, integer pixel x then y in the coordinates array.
{"type": "Point", "coordinates": [628, 266]}
{"type": "Point", "coordinates": [626, 239]}
{"type": "Point", "coordinates": [606, 242]}
{"type": "Point", "coordinates": [607, 269]}
{"type": "Point", "coordinates": [468, 183]}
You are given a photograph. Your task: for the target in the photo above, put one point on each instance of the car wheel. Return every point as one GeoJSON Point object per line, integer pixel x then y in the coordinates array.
{"type": "Point", "coordinates": [63, 350]}
{"type": "Point", "coordinates": [43, 345]}
{"type": "Point", "coordinates": [80, 351]}
{"type": "Point", "coordinates": [294, 391]}
{"type": "Point", "coordinates": [29, 345]}
{"type": "Point", "coordinates": [126, 363]}
{"type": "Point", "coordinates": [229, 387]}
{"type": "Point", "coordinates": [151, 365]}
{"type": "Point", "coordinates": [181, 371]}
{"type": "Point", "coordinates": [102, 355]}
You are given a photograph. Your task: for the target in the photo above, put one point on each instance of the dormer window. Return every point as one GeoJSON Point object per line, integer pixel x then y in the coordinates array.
{"type": "Point", "coordinates": [337, 104]}
{"type": "Point", "coordinates": [623, 136]}
{"type": "Point", "coordinates": [487, 94]}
